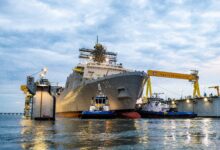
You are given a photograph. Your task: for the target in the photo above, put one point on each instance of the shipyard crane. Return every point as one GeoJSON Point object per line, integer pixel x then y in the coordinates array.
{"type": "Point", "coordinates": [217, 89]}
{"type": "Point", "coordinates": [193, 77]}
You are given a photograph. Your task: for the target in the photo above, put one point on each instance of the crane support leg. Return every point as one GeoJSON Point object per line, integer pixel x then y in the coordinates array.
{"type": "Point", "coordinates": [196, 90]}
{"type": "Point", "coordinates": [149, 88]}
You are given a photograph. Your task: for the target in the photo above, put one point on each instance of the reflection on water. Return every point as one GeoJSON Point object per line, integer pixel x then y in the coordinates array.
{"type": "Point", "coordinates": [110, 134]}
{"type": "Point", "coordinates": [35, 134]}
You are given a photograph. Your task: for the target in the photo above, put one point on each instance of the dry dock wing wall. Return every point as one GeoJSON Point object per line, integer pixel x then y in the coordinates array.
{"type": "Point", "coordinates": [203, 108]}
{"type": "Point", "coordinates": [43, 104]}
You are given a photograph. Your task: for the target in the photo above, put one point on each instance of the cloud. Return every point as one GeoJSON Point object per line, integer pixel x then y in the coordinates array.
{"type": "Point", "coordinates": [170, 35]}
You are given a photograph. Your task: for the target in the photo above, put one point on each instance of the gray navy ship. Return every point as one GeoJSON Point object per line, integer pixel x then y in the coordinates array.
{"type": "Point", "coordinates": [122, 86]}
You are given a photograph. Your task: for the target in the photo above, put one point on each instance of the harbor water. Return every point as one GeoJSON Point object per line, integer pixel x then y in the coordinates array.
{"type": "Point", "coordinates": [65, 133]}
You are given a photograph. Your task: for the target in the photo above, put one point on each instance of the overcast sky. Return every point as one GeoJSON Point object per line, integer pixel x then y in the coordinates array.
{"type": "Point", "coordinates": [169, 35]}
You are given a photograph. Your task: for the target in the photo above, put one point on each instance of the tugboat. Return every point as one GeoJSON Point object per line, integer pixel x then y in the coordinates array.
{"type": "Point", "coordinates": [99, 108]}
{"type": "Point", "coordinates": [158, 108]}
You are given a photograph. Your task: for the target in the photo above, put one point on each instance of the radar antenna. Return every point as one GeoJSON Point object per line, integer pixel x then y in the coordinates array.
{"type": "Point", "coordinates": [98, 54]}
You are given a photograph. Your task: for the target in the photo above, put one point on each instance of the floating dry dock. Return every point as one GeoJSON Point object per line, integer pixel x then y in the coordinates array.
{"type": "Point", "coordinates": [203, 107]}
{"type": "Point", "coordinates": [40, 101]}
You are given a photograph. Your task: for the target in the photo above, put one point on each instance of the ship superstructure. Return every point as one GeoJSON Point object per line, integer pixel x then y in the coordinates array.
{"type": "Point", "coordinates": [98, 63]}
{"type": "Point", "coordinates": [123, 86]}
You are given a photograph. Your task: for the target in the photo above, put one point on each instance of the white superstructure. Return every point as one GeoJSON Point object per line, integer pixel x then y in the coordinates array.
{"type": "Point", "coordinates": [96, 70]}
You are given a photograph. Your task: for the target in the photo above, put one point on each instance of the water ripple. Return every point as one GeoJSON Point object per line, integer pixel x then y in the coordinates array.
{"type": "Point", "coordinates": [110, 134]}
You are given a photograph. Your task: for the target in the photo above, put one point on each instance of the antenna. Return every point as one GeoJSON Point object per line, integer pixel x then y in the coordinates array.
{"type": "Point", "coordinates": [97, 39]}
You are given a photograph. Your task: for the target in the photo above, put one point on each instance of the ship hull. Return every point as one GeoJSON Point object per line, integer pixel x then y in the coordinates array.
{"type": "Point", "coordinates": [122, 90]}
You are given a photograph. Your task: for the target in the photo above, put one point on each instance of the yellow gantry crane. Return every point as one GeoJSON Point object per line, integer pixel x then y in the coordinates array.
{"type": "Point", "coordinates": [193, 77]}
{"type": "Point", "coordinates": [217, 89]}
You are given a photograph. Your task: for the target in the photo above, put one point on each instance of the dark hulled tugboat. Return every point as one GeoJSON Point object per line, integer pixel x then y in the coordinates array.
{"type": "Point", "coordinates": [99, 108]}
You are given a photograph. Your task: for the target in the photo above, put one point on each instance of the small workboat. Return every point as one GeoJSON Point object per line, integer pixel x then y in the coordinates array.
{"type": "Point", "coordinates": [158, 108]}
{"type": "Point", "coordinates": [99, 108]}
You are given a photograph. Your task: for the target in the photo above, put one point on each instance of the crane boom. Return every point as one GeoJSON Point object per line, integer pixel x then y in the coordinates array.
{"type": "Point", "coordinates": [193, 77]}
{"type": "Point", "coordinates": [164, 74]}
